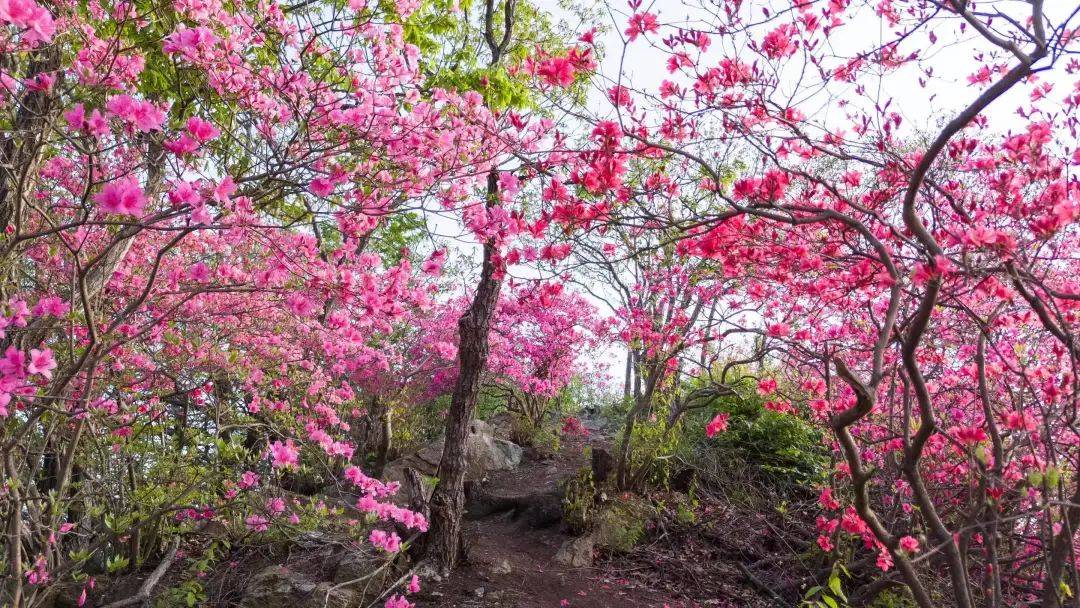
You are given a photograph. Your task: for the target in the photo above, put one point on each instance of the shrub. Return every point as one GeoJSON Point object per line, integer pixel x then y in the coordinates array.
{"type": "Point", "coordinates": [620, 525]}
{"type": "Point", "coordinates": [780, 449]}
{"type": "Point", "coordinates": [579, 501]}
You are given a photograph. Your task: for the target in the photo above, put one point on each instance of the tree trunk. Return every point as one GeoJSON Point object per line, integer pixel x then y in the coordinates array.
{"type": "Point", "coordinates": [20, 150]}
{"type": "Point", "coordinates": [443, 544]}
{"type": "Point", "coordinates": [381, 433]}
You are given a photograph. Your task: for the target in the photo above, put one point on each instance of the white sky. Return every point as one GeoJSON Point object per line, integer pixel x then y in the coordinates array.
{"type": "Point", "coordinates": [922, 108]}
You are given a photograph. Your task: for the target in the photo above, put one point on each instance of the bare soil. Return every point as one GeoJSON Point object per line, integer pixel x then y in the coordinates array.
{"type": "Point", "coordinates": [658, 574]}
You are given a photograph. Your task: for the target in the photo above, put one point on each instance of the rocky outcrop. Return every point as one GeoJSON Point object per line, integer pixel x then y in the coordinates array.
{"type": "Point", "coordinates": [485, 452]}
{"type": "Point", "coordinates": [577, 552]}
{"type": "Point", "coordinates": [281, 587]}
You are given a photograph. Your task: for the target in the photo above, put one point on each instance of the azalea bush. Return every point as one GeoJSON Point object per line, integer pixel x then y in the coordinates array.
{"type": "Point", "coordinates": [915, 284]}
{"type": "Point", "coordinates": [230, 280]}
{"type": "Point", "coordinates": [209, 300]}
{"type": "Point", "coordinates": [758, 443]}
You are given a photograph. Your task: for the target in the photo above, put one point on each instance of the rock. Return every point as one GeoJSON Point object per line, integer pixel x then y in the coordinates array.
{"type": "Point", "coordinates": [502, 567]}
{"type": "Point", "coordinates": [576, 552]}
{"type": "Point", "coordinates": [280, 587]}
{"type": "Point", "coordinates": [535, 509]}
{"type": "Point", "coordinates": [484, 452]}
{"type": "Point", "coordinates": [353, 566]}
{"type": "Point", "coordinates": [428, 572]}
{"type": "Point", "coordinates": [332, 597]}
{"type": "Point", "coordinates": [620, 525]}
{"type": "Point", "coordinates": [602, 464]}
{"type": "Point", "coordinates": [212, 529]}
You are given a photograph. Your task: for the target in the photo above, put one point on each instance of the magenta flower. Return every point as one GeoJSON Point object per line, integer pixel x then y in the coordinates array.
{"type": "Point", "coordinates": [123, 197]}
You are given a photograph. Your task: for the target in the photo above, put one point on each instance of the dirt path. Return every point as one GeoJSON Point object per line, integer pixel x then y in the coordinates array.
{"type": "Point", "coordinates": [511, 564]}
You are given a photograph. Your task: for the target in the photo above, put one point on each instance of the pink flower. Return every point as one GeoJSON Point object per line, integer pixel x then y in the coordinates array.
{"type": "Point", "coordinates": [908, 544]}
{"type": "Point", "coordinates": [414, 584]}
{"type": "Point", "coordinates": [248, 480]}
{"type": "Point", "coordinates": [766, 386]}
{"type": "Point", "coordinates": [39, 574]}
{"type": "Point", "coordinates": [717, 424]}
{"type": "Point", "coordinates": [123, 197]}
{"type": "Point", "coordinates": [299, 305]}
{"type": "Point", "coordinates": [433, 265]}
{"type": "Point", "coordinates": [852, 523]}
{"type": "Point", "coordinates": [41, 82]}
{"type": "Point", "coordinates": [76, 116]}
{"type": "Point", "coordinates": [641, 23]}
{"type": "Point", "coordinates": [30, 16]}
{"type": "Point", "coordinates": [397, 601]}
{"type": "Point", "coordinates": [780, 407]}
{"type": "Point", "coordinates": [13, 363]}
{"type": "Point", "coordinates": [1018, 421]}
{"type": "Point", "coordinates": [387, 541]}
{"type": "Point", "coordinates": [779, 330]}
{"type": "Point", "coordinates": [184, 193]}
{"type": "Point", "coordinates": [189, 41]}
{"type": "Point", "coordinates": [199, 273]}
{"type": "Point", "coordinates": [41, 362]}
{"type": "Point", "coordinates": [224, 190]}
{"type": "Point", "coordinates": [202, 130]}
{"type": "Point", "coordinates": [884, 560]}
{"type": "Point", "coordinates": [556, 71]}
{"type": "Point", "coordinates": [969, 435]}
{"type": "Point", "coordinates": [182, 145]}
{"type": "Point", "coordinates": [275, 505]}
{"type": "Point", "coordinates": [257, 523]}
{"type": "Point", "coordinates": [321, 186]}
{"type": "Point", "coordinates": [144, 115]}
{"type": "Point", "coordinates": [778, 43]}
{"type": "Point", "coordinates": [826, 500]}
{"type": "Point", "coordinates": [572, 426]}
{"type": "Point", "coordinates": [284, 455]}
{"type": "Point", "coordinates": [51, 306]}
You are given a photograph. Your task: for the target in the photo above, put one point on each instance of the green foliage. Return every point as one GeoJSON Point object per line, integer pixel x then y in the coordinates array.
{"type": "Point", "coordinates": [782, 449]}
{"type": "Point", "coordinates": [652, 445]}
{"type": "Point", "coordinates": [420, 423]}
{"type": "Point", "coordinates": [540, 436]}
{"type": "Point", "coordinates": [829, 595]}
{"type": "Point", "coordinates": [187, 594]}
{"type": "Point", "coordinates": [577, 396]}
{"type": "Point", "coordinates": [455, 56]}
{"type": "Point", "coordinates": [397, 233]}
{"type": "Point", "coordinates": [579, 501]}
{"type": "Point", "coordinates": [620, 525]}
{"type": "Point", "coordinates": [893, 598]}
{"type": "Point", "coordinates": [191, 592]}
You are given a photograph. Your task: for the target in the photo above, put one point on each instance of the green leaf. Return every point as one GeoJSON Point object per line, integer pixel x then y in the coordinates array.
{"type": "Point", "coordinates": [834, 584]}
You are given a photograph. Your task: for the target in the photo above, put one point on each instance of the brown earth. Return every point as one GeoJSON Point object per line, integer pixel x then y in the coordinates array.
{"type": "Point", "coordinates": [654, 576]}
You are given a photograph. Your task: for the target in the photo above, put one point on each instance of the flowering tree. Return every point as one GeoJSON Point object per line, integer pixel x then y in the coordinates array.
{"type": "Point", "coordinates": [539, 332]}
{"type": "Point", "coordinates": [679, 316]}
{"type": "Point", "coordinates": [193, 198]}
{"type": "Point", "coordinates": [918, 280]}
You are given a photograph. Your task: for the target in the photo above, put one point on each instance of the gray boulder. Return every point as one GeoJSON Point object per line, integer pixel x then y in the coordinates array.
{"type": "Point", "coordinates": [280, 587]}
{"type": "Point", "coordinates": [577, 552]}
{"type": "Point", "coordinates": [484, 452]}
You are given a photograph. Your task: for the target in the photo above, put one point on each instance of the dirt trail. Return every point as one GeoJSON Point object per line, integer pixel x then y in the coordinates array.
{"type": "Point", "coordinates": [533, 579]}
